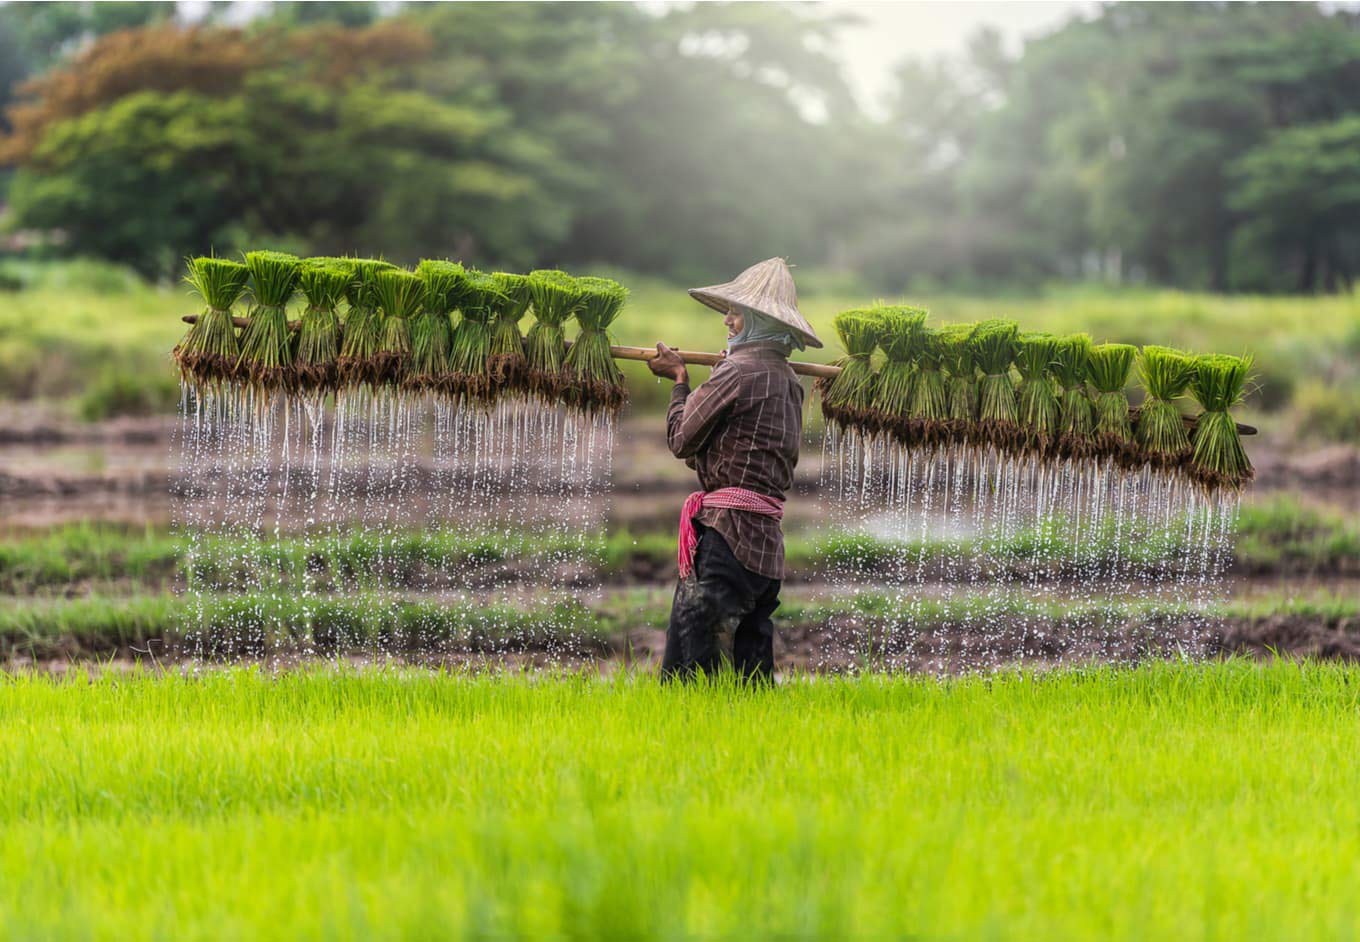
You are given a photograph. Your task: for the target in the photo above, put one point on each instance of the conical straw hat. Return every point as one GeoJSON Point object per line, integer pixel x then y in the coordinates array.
{"type": "Point", "coordinates": [766, 287]}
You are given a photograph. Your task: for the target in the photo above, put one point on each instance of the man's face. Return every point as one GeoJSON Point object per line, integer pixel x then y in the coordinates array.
{"type": "Point", "coordinates": [735, 320]}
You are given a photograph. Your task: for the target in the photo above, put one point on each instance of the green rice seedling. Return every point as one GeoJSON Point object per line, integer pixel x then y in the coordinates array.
{"type": "Point", "coordinates": [363, 324]}
{"type": "Point", "coordinates": [399, 294]}
{"type": "Point", "coordinates": [960, 366]}
{"type": "Point", "coordinates": [1036, 396]}
{"type": "Point", "coordinates": [1076, 414]}
{"type": "Point", "coordinates": [266, 344]}
{"type": "Point", "coordinates": [994, 345]}
{"type": "Point", "coordinates": [900, 339]}
{"type": "Point", "coordinates": [323, 282]}
{"type": "Point", "coordinates": [506, 360]}
{"type": "Point", "coordinates": [1161, 430]}
{"type": "Point", "coordinates": [596, 381]}
{"type": "Point", "coordinates": [432, 327]}
{"type": "Point", "coordinates": [208, 354]}
{"type": "Point", "coordinates": [929, 400]}
{"type": "Point", "coordinates": [1218, 383]}
{"type": "Point", "coordinates": [848, 398]}
{"type": "Point", "coordinates": [470, 379]}
{"type": "Point", "coordinates": [1107, 367]}
{"type": "Point", "coordinates": [556, 296]}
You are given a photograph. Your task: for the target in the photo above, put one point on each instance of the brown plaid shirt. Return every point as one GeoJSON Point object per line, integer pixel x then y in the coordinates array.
{"type": "Point", "coordinates": [742, 428]}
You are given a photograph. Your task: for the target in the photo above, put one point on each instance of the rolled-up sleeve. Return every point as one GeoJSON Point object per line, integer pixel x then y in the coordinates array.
{"type": "Point", "coordinates": [693, 416]}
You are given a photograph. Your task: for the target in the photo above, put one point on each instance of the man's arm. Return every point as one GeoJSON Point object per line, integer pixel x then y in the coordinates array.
{"type": "Point", "coordinates": [693, 416]}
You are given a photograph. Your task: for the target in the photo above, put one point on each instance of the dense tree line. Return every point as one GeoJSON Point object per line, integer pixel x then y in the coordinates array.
{"type": "Point", "coordinates": [1204, 145]}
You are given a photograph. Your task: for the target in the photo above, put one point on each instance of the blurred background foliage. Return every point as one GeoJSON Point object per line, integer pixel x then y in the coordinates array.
{"type": "Point", "coordinates": [1198, 146]}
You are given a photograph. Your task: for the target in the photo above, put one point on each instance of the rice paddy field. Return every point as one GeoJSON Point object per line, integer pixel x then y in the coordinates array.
{"type": "Point", "coordinates": [359, 683]}
{"type": "Point", "coordinates": [1173, 801]}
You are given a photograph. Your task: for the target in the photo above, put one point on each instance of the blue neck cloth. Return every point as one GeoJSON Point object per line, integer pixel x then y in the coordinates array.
{"type": "Point", "coordinates": [761, 328]}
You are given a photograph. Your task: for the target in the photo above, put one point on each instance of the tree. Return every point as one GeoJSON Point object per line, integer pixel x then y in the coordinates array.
{"type": "Point", "coordinates": [1300, 191]}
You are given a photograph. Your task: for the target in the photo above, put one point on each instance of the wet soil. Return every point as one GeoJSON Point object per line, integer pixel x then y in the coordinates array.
{"type": "Point", "coordinates": [831, 648]}
{"type": "Point", "coordinates": [52, 471]}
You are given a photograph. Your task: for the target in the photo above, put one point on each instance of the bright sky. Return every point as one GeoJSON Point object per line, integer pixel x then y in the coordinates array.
{"type": "Point", "coordinates": [891, 31]}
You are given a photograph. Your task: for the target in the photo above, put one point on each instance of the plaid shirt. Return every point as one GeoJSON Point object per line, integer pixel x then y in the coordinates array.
{"type": "Point", "coordinates": [742, 428]}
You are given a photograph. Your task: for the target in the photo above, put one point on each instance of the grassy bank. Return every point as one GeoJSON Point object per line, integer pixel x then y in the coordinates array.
{"type": "Point", "coordinates": [1166, 802]}
{"type": "Point", "coordinates": [1279, 535]}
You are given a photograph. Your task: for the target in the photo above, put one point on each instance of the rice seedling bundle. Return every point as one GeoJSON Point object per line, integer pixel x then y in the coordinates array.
{"type": "Point", "coordinates": [1161, 430]}
{"type": "Point", "coordinates": [432, 326]}
{"type": "Point", "coordinates": [1076, 414]}
{"type": "Point", "coordinates": [899, 338]}
{"type": "Point", "coordinates": [208, 354]}
{"type": "Point", "coordinates": [596, 382]}
{"type": "Point", "coordinates": [1107, 368]}
{"type": "Point", "coordinates": [506, 360]}
{"type": "Point", "coordinates": [399, 294]}
{"type": "Point", "coordinates": [929, 402]}
{"type": "Point", "coordinates": [470, 346]}
{"type": "Point", "coordinates": [994, 345]}
{"type": "Point", "coordinates": [950, 383]}
{"type": "Point", "coordinates": [1036, 396]}
{"type": "Point", "coordinates": [960, 366]}
{"type": "Point", "coordinates": [323, 282]}
{"type": "Point", "coordinates": [363, 325]}
{"type": "Point", "coordinates": [267, 353]}
{"type": "Point", "coordinates": [848, 398]}
{"type": "Point", "coordinates": [1218, 383]}
{"type": "Point", "coordinates": [555, 298]}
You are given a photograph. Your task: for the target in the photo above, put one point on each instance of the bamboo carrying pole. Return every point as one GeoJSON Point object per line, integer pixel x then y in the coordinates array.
{"type": "Point", "coordinates": [713, 359]}
{"type": "Point", "coordinates": [699, 358]}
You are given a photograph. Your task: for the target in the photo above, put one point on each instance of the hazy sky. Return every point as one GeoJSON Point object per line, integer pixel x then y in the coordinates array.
{"type": "Point", "coordinates": [892, 31]}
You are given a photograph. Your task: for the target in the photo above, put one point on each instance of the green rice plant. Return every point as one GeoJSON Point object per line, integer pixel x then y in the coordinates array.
{"type": "Point", "coordinates": [399, 294]}
{"type": "Point", "coordinates": [848, 398]}
{"type": "Point", "coordinates": [994, 344]}
{"type": "Point", "coordinates": [267, 353]}
{"type": "Point", "coordinates": [506, 360]}
{"type": "Point", "coordinates": [432, 327]}
{"type": "Point", "coordinates": [960, 364]}
{"type": "Point", "coordinates": [596, 382]}
{"type": "Point", "coordinates": [1036, 396]}
{"type": "Point", "coordinates": [1076, 414]}
{"type": "Point", "coordinates": [899, 338]}
{"type": "Point", "coordinates": [1218, 383]}
{"type": "Point", "coordinates": [323, 282]}
{"type": "Point", "coordinates": [929, 401]}
{"type": "Point", "coordinates": [208, 354]}
{"type": "Point", "coordinates": [295, 788]}
{"type": "Point", "coordinates": [556, 296]}
{"type": "Point", "coordinates": [363, 324]}
{"type": "Point", "coordinates": [1161, 429]}
{"type": "Point", "coordinates": [470, 379]}
{"type": "Point", "coordinates": [1107, 367]}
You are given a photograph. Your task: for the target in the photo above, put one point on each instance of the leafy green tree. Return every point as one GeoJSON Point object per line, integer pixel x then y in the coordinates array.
{"type": "Point", "coordinates": [1300, 195]}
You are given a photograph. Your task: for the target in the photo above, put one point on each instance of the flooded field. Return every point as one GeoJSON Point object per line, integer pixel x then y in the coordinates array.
{"type": "Point", "coordinates": [382, 530]}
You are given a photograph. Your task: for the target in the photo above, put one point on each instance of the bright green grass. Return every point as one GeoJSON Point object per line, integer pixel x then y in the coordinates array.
{"type": "Point", "coordinates": [57, 338]}
{"type": "Point", "coordinates": [1168, 802]}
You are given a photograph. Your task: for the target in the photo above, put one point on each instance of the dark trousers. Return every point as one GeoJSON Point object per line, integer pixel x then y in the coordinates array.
{"type": "Point", "coordinates": [721, 616]}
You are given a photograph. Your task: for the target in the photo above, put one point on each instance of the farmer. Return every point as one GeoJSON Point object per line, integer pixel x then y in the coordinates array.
{"type": "Point", "coordinates": [740, 430]}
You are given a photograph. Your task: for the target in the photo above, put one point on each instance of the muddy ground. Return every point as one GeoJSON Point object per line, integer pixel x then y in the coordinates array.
{"type": "Point", "coordinates": [835, 647]}
{"type": "Point", "coordinates": [53, 471]}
